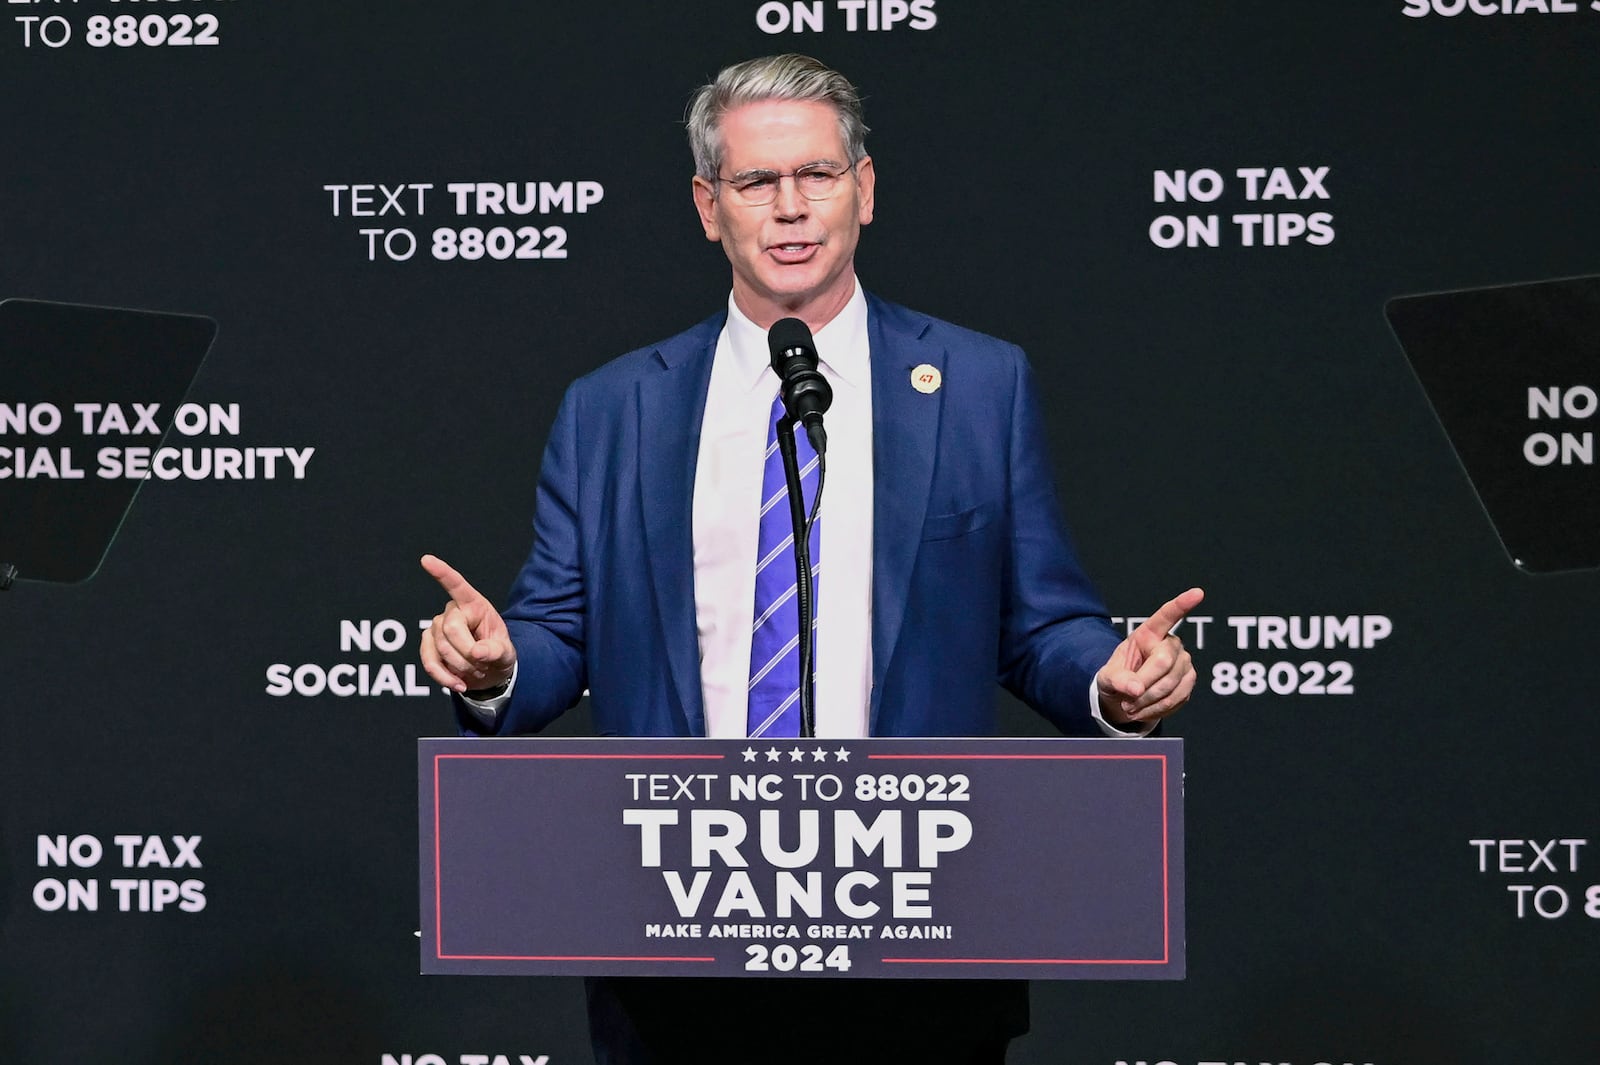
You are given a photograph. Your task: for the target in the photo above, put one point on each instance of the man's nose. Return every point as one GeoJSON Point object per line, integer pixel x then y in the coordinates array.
{"type": "Point", "coordinates": [789, 203]}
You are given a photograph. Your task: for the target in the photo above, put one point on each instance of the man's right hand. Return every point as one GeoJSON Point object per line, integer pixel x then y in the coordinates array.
{"type": "Point", "coordinates": [468, 647]}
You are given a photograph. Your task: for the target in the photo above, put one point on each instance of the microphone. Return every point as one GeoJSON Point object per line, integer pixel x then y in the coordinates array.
{"type": "Point", "coordinates": [806, 393]}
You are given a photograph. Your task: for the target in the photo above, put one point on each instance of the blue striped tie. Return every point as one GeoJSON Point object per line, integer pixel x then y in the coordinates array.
{"type": "Point", "coordinates": [774, 641]}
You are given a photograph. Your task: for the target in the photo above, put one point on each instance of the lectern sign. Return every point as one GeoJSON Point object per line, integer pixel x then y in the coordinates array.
{"type": "Point", "coordinates": [1047, 859]}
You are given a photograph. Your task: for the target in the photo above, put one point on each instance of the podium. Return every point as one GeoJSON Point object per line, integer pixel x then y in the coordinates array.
{"type": "Point", "coordinates": [969, 858]}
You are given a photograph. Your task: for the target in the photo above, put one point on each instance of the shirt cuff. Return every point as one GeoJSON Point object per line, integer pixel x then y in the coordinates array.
{"type": "Point", "coordinates": [1145, 727]}
{"type": "Point", "coordinates": [488, 710]}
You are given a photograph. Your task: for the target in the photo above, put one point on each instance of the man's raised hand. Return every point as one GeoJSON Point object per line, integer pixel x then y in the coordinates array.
{"type": "Point", "coordinates": [1150, 674]}
{"type": "Point", "coordinates": [467, 648]}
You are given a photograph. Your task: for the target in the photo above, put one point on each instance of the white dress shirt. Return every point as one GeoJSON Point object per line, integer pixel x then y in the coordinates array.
{"type": "Point", "coordinates": [727, 494]}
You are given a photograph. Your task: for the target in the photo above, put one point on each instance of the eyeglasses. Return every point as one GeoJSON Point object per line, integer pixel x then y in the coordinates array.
{"type": "Point", "coordinates": [757, 188]}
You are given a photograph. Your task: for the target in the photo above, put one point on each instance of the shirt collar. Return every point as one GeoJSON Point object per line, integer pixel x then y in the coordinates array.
{"type": "Point", "coordinates": [841, 345]}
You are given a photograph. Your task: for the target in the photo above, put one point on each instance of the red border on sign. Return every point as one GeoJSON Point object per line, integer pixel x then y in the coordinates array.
{"type": "Point", "coordinates": [1166, 879]}
{"type": "Point", "coordinates": [438, 889]}
{"type": "Point", "coordinates": [1166, 851]}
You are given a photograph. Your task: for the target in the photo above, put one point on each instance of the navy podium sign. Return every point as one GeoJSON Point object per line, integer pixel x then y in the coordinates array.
{"type": "Point", "coordinates": [1045, 859]}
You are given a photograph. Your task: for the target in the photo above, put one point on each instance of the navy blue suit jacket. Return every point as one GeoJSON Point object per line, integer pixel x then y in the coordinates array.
{"type": "Point", "coordinates": [974, 579]}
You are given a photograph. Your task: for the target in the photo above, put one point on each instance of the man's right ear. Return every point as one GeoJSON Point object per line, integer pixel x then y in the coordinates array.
{"type": "Point", "coordinates": [705, 202]}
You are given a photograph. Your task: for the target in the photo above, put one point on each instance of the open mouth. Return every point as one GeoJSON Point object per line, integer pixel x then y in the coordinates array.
{"type": "Point", "coordinates": [793, 252]}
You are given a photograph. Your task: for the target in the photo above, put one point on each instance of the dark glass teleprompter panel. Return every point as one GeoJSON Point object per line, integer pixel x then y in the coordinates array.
{"type": "Point", "coordinates": [58, 515]}
{"type": "Point", "coordinates": [1513, 373]}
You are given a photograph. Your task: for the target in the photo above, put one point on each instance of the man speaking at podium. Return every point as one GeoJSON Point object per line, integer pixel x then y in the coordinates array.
{"type": "Point", "coordinates": [940, 559]}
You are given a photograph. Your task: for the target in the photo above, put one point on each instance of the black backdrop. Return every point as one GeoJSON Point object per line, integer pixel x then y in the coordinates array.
{"type": "Point", "coordinates": [1233, 416]}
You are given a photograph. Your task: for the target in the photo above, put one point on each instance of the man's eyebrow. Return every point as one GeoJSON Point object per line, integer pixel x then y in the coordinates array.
{"type": "Point", "coordinates": [762, 171]}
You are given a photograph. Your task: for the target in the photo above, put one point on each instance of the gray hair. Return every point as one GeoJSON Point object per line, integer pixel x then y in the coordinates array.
{"type": "Point", "coordinates": [773, 77]}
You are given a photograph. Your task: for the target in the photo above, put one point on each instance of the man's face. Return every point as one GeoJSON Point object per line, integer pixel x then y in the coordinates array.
{"type": "Point", "coordinates": [793, 256]}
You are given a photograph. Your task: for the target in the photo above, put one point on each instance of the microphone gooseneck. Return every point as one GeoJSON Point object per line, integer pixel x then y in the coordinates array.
{"type": "Point", "coordinates": [806, 395]}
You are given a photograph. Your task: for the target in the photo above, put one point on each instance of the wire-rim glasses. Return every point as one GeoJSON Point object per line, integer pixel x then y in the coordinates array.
{"type": "Point", "coordinates": [757, 188]}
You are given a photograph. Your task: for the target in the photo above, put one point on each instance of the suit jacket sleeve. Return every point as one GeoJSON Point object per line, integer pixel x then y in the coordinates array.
{"type": "Point", "coordinates": [545, 612]}
{"type": "Point", "coordinates": [1054, 631]}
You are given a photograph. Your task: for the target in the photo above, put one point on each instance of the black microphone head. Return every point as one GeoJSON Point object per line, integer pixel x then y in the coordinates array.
{"type": "Point", "coordinates": [790, 338]}
{"type": "Point", "coordinates": [806, 393]}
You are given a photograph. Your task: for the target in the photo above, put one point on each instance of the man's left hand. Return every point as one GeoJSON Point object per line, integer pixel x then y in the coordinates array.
{"type": "Point", "coordinates": [1150, 674]}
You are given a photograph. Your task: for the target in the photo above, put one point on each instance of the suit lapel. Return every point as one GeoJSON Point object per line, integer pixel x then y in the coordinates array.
{"type": "Point", "coordinates": [905, 432]}
{"type": "Point", "coordinates": [671, 406]}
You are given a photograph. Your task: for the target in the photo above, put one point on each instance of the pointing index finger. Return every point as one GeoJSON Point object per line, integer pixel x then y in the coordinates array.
{"type": "Point", "coordinates": [1162, 622]}
{"type": "Point", "coordinates": [454, 584]}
